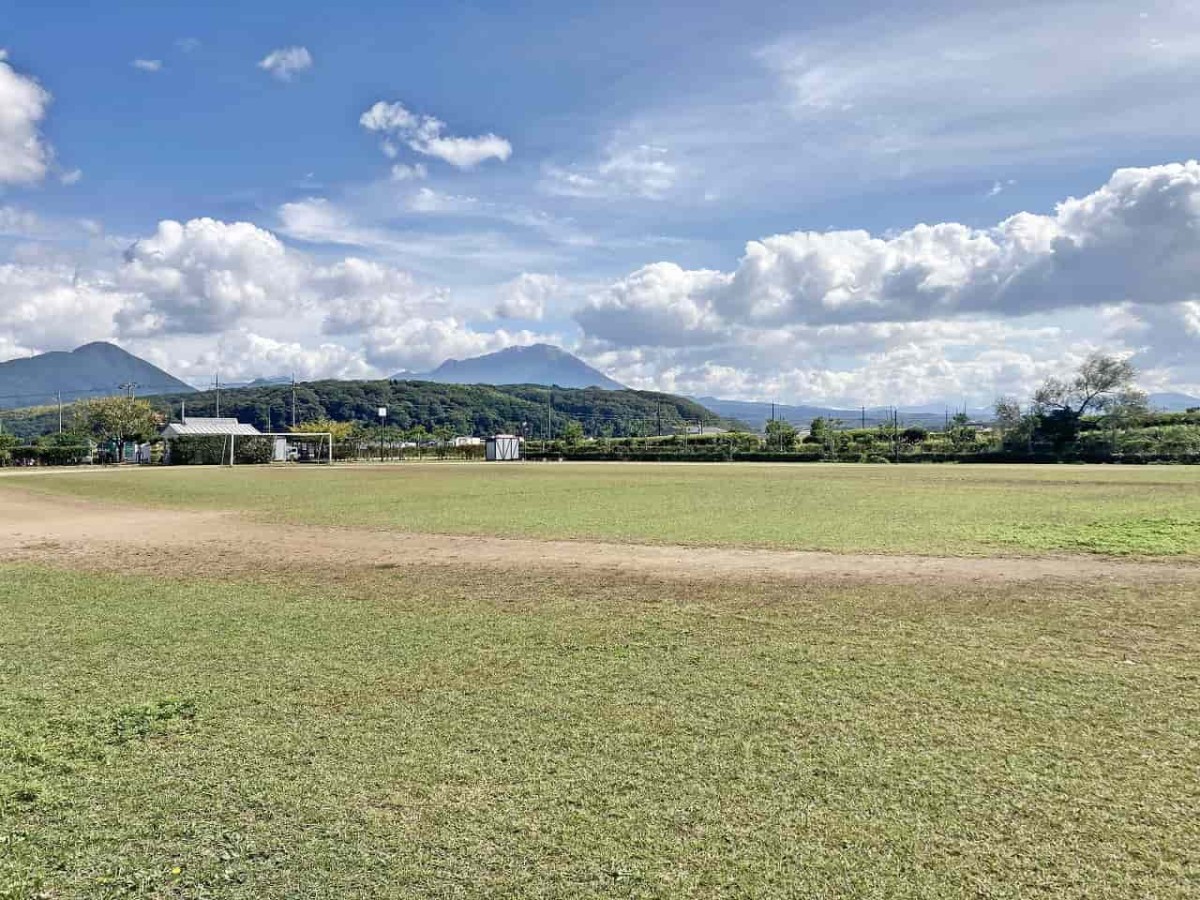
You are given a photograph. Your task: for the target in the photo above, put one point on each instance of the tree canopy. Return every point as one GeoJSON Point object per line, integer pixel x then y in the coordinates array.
{"type": "Point", "coordinates": [117, 418]}
{"type": "Point", "coordinates": [1100, 381]}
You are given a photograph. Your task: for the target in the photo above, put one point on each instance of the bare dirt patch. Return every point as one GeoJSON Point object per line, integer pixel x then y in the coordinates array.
{"type": "Point", "coordinates": [93, 535]}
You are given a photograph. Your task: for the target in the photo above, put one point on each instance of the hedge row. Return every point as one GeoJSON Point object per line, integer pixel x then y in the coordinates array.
{"type": "Point", "coordinates": [618, 454]}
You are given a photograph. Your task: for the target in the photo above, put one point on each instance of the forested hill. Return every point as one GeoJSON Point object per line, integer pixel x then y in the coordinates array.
{"type": "Point", "coordinates": [471, 409]}
{"type": "Point", "coordinates": [93, 370]}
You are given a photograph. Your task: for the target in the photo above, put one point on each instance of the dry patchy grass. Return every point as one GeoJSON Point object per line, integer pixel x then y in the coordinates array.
{"type": "Point", "coordinates": [466, 733]}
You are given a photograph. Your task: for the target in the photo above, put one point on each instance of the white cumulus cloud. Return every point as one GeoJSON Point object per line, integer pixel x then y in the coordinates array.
{"type": "Point", "coordinates": [52, 307]}
{"type": "Point", "coordinates": [526, 296]}
{"type": "Point", "coordinates": [24, 154]}
{"type": "Point", "coordinates": [426, 135]}
{"type": "Point", "coordinates": [1135, 239]}
{"type": "Point", "coordinates": [205, 276]}
{"type": "Point", "coordinates": [418, 344]}
{"type": "Point", "coordinates": [285, 62]}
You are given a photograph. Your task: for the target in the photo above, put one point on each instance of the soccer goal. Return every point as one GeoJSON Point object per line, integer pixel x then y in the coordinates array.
{"type": "Point", "coordinates": [301, 447]}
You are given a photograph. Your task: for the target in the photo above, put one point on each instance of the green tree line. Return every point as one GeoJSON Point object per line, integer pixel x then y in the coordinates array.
{"type": "Point", "coordinates": [533, 410]}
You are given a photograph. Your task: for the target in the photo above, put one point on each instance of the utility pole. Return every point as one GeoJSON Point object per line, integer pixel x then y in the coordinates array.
{"type": "Point", "coordinates": [896, 433]}
{"type": "Point", "coordinates": [293, 399]}
{"type": "Point", "coordinates": [217, 384]}
{"type": "Point", "coordinates": [864, 417]}
{"type": "Point", "coordinates": [549, 415]}
{"type": "Point", "coordinates": [128, 387]}
{"type": "Point", "coordinates": [58, 397]}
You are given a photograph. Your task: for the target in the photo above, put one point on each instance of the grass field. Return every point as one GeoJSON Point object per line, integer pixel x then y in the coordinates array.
{"type": "Point", "coordinates": [457, 734]}
{"type": "Point", "coordinates": [206, 725]}
{"type": "Point", "coordinates": [1153, 510]}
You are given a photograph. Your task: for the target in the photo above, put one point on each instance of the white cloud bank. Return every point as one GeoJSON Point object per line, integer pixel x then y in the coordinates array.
{"type": "Point", "coordinates": [206, 294]}
{"type": "Point", "coordinates": [25, 156]}
{"type": "Point", "coordinates": [940, 311]}
{"type": "Point", "coordinates": [1135, 240]}
{"type": "Point", "coordinates": [426, 135]}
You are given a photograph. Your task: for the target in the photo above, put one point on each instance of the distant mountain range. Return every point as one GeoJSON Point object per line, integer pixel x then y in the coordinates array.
{"type": "Point", "coordinates": [270, 380]}
{"type": "Point", "coordinates": [100, 369]}
{"type": "Point", "coordinates": [757, 414]}
{"type": "Point", "coordinates": [93, 370]}
{"type": "Point", "coordinates": [1170, 401]}
{"type": "Point", "coordinates": [535, 364]}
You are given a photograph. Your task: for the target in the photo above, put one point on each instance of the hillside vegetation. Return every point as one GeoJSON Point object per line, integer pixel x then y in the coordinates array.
{"type": "Point", "coordinates": [477, 409]}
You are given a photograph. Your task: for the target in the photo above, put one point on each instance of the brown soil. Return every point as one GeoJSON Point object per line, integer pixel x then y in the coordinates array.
{"type": "Point", "coordinates": [110, 537]}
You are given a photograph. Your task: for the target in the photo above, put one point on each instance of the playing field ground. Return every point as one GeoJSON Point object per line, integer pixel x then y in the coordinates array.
{"type": "Point", "coordinates": [307, 683]}
{"type": "Point", "coordinates": [1139, 510]}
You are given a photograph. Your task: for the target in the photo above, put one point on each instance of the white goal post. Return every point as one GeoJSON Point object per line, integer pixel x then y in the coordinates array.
{"type": "Point", "coordinates": [281, 445]}
{"type": "Point", "coordinates": [323, 440]}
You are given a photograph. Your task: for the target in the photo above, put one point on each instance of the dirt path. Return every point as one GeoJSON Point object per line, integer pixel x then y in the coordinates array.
{"type": "Point", "coordinates": [76, 532]}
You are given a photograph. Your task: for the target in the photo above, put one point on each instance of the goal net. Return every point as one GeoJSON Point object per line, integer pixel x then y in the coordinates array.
{"type": "Point", "coordinates": [300, 447]}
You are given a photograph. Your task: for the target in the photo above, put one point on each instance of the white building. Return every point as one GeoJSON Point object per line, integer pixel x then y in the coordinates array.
{"type": "Point", "coordinates": [503, 448]}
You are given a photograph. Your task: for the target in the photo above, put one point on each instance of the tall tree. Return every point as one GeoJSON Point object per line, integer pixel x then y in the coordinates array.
{"type": "Point", "coordinates": [1016, 427]}
{"type": "Point", "coordinates": [340, 431]}
{"type": "Point", "coordinates": [117, 419]}
{"type": "Point", "coordinates": [1100, 382]}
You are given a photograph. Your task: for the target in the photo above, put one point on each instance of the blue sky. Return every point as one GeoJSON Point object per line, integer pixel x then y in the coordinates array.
{"type": "Point", "coordinates": [705, 198]}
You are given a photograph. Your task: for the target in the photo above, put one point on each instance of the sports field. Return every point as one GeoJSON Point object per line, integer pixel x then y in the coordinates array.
{"type": "Point", "coordinates": [1147, 510]}
{"type": "Point", "coordinates": [600, 681]}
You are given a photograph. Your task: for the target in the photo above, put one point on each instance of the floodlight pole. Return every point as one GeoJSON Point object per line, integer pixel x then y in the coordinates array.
{"type": "Point", "coordinates": [382, 417]}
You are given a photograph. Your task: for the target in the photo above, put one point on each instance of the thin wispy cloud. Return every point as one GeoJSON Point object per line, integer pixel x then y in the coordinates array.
{"type": "Point", "coordinates": [645, 171]}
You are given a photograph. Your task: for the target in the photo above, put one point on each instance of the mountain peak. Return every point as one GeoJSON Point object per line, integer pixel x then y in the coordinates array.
{"type": "Point", "coordinates": [92, 370]}
{"type": "Point", "coordinates": [530, 364]}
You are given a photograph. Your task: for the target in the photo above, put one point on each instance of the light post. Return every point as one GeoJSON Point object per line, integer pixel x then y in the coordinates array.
{"type": "Point", "coordinates": [382, 416]}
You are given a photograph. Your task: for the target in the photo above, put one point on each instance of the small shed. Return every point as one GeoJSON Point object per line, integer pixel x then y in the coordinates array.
{"type": "Point", "coordinates": [503, 448]}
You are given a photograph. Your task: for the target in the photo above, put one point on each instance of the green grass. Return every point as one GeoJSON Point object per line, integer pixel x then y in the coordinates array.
{"type": "Point", "coordinates": [916, 509]}
{"type": "Point", "coordinates": [460, 734]}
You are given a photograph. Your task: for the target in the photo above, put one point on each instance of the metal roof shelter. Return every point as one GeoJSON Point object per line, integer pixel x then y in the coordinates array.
{"type": "Point", "coordinates": [232, 429]}
{"type": "Point", "coordinates": [194, 427]}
